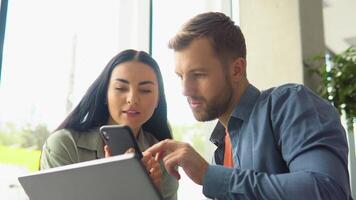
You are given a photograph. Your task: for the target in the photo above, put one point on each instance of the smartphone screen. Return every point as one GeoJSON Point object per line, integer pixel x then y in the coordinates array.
{"type": "Point", "coordinates": [119, 138]}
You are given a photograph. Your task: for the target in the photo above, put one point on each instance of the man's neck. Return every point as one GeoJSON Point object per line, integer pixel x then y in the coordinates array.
{"type": "Point", "coordinates": [238, 91]}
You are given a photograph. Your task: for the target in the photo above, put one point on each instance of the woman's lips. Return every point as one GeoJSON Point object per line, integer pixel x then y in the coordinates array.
{"type": "Point", "coordinates": [131, 113]}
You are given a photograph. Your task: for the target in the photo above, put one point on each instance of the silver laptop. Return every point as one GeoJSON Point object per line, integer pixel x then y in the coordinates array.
{"type": "Point", "coordinates": [115, 178]}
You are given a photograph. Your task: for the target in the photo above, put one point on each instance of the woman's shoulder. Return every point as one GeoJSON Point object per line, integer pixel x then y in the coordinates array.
{"type": "Point", "coordinates": [62, 136]}
{"type": "Point", "coordinates": [60, 139]}
{"type": "Point", "coordinates": [145, 140]}
{"type": "Point", "coordinates": [150, 138]}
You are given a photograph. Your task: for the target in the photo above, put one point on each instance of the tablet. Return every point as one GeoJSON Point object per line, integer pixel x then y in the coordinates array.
{"type": "Point", "coordinates": [118, 177]}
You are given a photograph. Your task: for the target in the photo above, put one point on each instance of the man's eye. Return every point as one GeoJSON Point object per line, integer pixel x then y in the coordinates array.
{"type": "Point", "coordinates": [199, 75]}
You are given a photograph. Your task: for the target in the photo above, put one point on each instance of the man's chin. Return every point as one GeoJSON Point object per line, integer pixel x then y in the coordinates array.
{"type": "Point", "coordinates": [202, 117]}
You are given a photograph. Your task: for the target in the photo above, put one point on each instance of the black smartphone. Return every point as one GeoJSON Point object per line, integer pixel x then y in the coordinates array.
{"type": "Point", "coordinates": [119, 138]}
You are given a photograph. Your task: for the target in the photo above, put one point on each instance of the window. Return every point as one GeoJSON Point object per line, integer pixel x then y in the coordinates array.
{"type": "Point", "coordinates": [168, 16]}
{"type": "Point", "coordinates": [53, 50]}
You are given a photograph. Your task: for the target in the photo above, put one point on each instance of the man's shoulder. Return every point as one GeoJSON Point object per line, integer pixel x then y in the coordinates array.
{"type": "Point", "coordinates": [295, 95]}
{"type": "Point", "coordinates": [286, 90]}
{"type": "Point", "coordinates": [288, 87]}
{"type": "Point", "coordinates": [290, 94]}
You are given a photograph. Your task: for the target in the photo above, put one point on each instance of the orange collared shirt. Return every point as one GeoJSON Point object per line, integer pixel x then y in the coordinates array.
{"type": "Point", "coordinates": [228, 159]}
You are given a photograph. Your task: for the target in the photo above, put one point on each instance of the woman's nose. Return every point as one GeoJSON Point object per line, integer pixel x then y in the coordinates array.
{"type": "Point", "coordinates": [132, 98]}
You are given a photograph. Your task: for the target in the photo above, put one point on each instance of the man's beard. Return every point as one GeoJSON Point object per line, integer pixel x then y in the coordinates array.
{"type": "Point", "coordinates": [214, 109]}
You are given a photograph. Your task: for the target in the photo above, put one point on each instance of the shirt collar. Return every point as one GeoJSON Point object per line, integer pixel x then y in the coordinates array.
{"type": "Point", "coordinates": [242, 111]}
{"type": "Point", "coordinates": [218, 134]}
{"type": "Point", "coordinates": [141, 141]}
{"type": "Point", "coordinates": [92, 141]}
{"type": "Point", "coordinates": [247, 101]}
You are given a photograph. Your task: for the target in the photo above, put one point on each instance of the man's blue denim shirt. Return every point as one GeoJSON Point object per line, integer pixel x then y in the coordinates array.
{"type": "Point", "coordinates": [288, 143]}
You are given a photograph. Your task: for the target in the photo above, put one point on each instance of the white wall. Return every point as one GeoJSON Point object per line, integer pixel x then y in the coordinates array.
{"type": "Point", "coordinates": [278, 38]}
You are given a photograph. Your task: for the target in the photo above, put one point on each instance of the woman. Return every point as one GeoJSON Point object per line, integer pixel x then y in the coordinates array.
{"type": "Point", "coordinates": [128, 91]}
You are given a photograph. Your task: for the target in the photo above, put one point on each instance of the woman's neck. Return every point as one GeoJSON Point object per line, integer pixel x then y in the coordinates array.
{"type": "Point", "coordinates": [136, 131]}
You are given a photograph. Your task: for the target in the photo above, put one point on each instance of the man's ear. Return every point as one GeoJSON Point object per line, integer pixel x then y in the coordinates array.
{"type": "Point", "coordinates": [238, 69]}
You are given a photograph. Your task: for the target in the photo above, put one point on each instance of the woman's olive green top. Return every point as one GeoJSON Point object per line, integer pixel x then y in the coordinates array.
{"type": "Point", "coordinates": [66, 147]}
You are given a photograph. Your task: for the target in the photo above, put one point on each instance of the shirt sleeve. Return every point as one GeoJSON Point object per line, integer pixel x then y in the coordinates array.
{"type": "Point", "coordinates": [313, 144]}
{"type": "Point", "coordinates": [57, 150]}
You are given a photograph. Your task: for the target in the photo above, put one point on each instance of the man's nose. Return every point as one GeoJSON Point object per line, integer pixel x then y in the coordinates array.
{"type": "Point", "coordinates": [187, 87]}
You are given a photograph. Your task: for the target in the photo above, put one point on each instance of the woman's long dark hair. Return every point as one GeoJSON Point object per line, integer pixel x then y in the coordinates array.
{"type": "Point", "coordinates": [92, 110]}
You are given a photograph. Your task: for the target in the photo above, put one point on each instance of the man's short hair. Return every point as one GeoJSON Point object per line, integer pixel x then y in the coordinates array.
{"type": "Point", "coordinates": [225, 37]}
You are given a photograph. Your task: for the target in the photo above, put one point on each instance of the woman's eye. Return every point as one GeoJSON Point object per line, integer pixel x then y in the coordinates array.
{"type": "Point", "coordinates": [120, 89]}
{"type": "Point", "coordinates": [146, 91]}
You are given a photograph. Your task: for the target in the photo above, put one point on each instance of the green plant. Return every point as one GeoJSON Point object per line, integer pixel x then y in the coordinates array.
{"type": "Point", "coordinates": [338, 85]}
{"type": "Point", "coordinates": [26, 136]}
{"type": "Point", "coordinates": [339, 81]}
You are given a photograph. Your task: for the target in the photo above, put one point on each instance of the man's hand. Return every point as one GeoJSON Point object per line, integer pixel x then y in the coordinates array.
{"type": "Point", "coordinates": [180, 154]}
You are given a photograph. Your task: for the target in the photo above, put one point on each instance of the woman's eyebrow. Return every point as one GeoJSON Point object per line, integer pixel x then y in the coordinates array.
{"type": "Point", "coordinates": [122, 80]}
{"type": "Point", "coordinates": [146, 82]}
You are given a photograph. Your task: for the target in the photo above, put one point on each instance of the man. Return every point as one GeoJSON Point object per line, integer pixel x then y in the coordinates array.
{"type": "Point", "coordinates": [282, 143]}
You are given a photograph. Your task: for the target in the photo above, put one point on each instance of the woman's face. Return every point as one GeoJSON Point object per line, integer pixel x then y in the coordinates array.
{"type": "Point", "coordinates": [132, 94]}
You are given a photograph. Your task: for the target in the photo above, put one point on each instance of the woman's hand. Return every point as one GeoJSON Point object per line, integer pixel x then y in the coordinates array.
{"type": "Point", "coordinates": [153, 168]}
{"type": "Point", "coordinates": [151, 164]}
{"type": "Point", "coordinates": [107, 151]}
